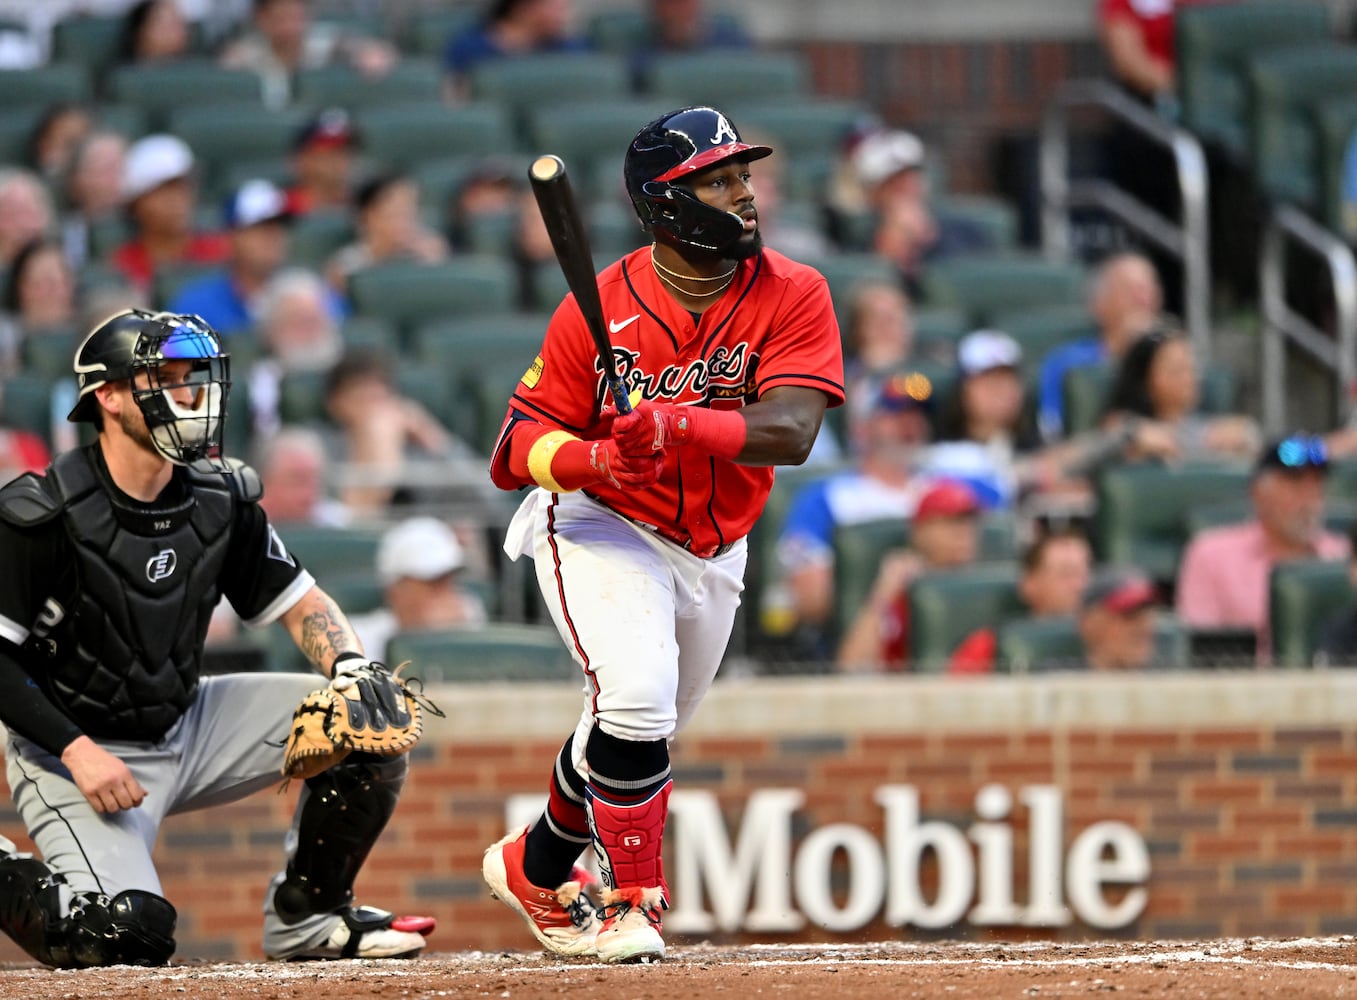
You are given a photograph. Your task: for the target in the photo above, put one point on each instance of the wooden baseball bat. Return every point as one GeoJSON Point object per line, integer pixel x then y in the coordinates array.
{"type": "Point", "coordinates": [551, 188]}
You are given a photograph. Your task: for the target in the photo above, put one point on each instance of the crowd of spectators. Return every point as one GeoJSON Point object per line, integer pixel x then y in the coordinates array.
{"type": "Point", "coordinates": [943, 433]}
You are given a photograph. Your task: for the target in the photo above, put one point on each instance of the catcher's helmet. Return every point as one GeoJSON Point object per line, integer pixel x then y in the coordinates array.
{"type": "Point", "coordinates": [136, 341]}
{"type": "Point", "coordinates": [670, 148]}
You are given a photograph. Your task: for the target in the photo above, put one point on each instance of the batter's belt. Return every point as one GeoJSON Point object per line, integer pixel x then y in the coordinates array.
{"type": "Point", "coordinates": [673, 538]}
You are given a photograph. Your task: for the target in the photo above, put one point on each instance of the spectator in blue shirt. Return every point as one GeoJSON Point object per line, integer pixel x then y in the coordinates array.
{"type": "Point", "coordinates": [511, 28]}
{"type": "Point", "coordinates": [257, 217]}
{"type": "Point", "coordinates": [1126, 300]}
{"type": "Point", "coordinates": [683, 26]}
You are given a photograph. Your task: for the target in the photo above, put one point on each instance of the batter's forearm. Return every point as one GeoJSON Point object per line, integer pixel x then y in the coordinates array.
{"type": "Point", "coordinates": [321, 630]}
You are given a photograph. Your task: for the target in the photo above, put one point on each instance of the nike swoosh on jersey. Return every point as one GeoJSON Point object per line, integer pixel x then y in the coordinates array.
{"type": "Point", "coordinates": [616, 327]}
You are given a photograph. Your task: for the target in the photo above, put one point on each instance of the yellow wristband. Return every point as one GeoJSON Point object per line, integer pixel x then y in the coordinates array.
{"type": "Point", "coordinates": [541, 453]}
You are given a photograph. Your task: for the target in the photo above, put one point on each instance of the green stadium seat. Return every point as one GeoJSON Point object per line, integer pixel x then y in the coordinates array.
{"type": "Point", "coordinates": [712, 77]}
{"type": "Point", "coordinates": [801, 126]}
{"type": "Point", "coordinates": [946, 607]}
{"type": "Point", "coordinates": [524, 84]}
{"type": "Point", "coordinates": [162, 88]}
{"type": "Point", "coordinates": [461, 349]}
{"type": "Point", "coordinates": [844, 270]}
{"type": "Point", "coordinates": [43, 86]}
{"type": "Point", "coordinates": [428, 32]}
{"type": "Point", "coordinates": [317, 235]}
{"type": "Point", "coordinates": [492, 233]}
{"type": "Point", "coordinates": [370, 333]}
{"type": "Point", "coordinates": [937, 330]}
{"type": "Point", "coordinates": [996, 218]}
{"type": "Point", "coordinates": [1040, 329]}
{"type": "Point", "coordinates": [589, 136]}
{"type": "Point", "coordinates": [26, 405]}
{"type": "Point", "coordinates": [1085, 392]}
{"type": "Point", "coordinates": [16, 130]}
{"type": "Point", "coordinates": [1284, 144]}
{"type": "Point", "coordinates": [428, 387]}
{"type": "Point", "coordinates": [1304, 598]}
{"type": "Point", "coordinates": [332, 552]}
{"type": "Point", "coordinates": [488, 653]}
{"type": "Point", "coordinates": [986, 284]}
{"type": "Point", "coordinates": [1142, 510]}
{"type": "Point", "coordinates": [403, 135]}
{"type": "Point", "coordinates": [230, 174]}
{"type": "Point", "coordinates": [1043, 645]}
{"type": "Point", "coordinates": [132, 121]}
{"type": "Point", "coordinates": [614, 229]}
{"type": "Point", "coordinates": [222, 136]}
{"type": "Point", "coordinates": [1214, 41]}
{"type": "Point", "coordinates": [357, 593]}
{"type": "Point", "coordinates": [548, 286]}
{"type": "Point", "coordinates": [170, 278]}
{"type": "Point", "coordinates": [411, 79]}
{"type": "Point", "coordinates": [410, 294]}
{"type": "Point", "coordinates": [89, 41]}
{"type": "Point", "coordinates": [50, 355]}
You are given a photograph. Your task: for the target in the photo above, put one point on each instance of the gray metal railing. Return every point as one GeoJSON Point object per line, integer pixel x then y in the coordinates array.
{"type": "Point", "coordinates": [1186, 239]}
{"type": "Point", "coordinates": [1282, 326]}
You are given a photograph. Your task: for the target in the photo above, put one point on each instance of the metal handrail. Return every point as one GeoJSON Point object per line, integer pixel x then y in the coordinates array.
{"type": "Point", "coordinates": [1186, 239]}
{"type": "Point", "coordinates": [1281, 324]}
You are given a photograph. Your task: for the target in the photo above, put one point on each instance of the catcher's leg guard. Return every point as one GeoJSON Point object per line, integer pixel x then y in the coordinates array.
{"type": "Point", "coordinates": [132, 928]}
{"type": "Point", "coordinates": [346, 809]}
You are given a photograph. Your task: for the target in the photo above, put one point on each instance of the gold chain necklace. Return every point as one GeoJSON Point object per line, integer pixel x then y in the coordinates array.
{"type": "Point", "coordinates": [661, 270]}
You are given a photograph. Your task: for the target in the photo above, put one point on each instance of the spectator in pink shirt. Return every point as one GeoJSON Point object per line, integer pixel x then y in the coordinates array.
{"type": "Point", "coordinates": [1223, 580]}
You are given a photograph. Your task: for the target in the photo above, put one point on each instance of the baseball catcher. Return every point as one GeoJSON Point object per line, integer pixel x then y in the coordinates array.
{"type": "Point", "coordinates": [115, 559]}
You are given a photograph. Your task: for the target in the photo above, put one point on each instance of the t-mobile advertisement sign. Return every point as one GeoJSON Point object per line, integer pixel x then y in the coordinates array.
{"type": "Point", "coordinates": [759, 880]}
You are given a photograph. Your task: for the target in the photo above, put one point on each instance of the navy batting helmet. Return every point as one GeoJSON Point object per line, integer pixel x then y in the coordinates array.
{"type": "Point", "coordinates": [671, 148]}
{"type": "Point", "coordinates": [135, 341]}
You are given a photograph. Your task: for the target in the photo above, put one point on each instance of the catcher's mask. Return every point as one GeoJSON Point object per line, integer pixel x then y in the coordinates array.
{"type": "Point", "coordinates": [134, 345]}
{"type": "Point", "coordinates": [668, 150]}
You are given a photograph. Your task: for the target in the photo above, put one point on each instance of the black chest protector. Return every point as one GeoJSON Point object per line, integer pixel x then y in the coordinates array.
{"type": "Point", "coordinates": [128, 659]}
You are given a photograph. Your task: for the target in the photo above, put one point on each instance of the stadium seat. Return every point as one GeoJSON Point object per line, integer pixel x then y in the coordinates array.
{"type": "Point", "coordinates": [409, 294]}
{"type": "Point", "coordinates": [1304, 598]}
{"type": "Point", "coordinates": [994, 217]}
{"type": "Point", "coordinates": [428, 32]}
{"type": "Point", "coordinates": [220, 136]}
{"type": "Point", "coordinates": [590, 137]}
{"type": "Point", "coordinates": [1042, 645]}
{"type": "Point", "coordinates": [1084, 392]}
{"type": "Point", "coordinates": [1213, 43]}
{"type": "Point", "coordinates": [712, 77]}
{"type": "Point", "coordinates": [492, 233]}
{"type": "Point", "coordinates": [50, 355]}
{"type": "Point", "coordinates": [43, 86]}
{"type": "Point", "coordinates": [16, 131]}
{"type": "Point", "coordinates": [859, 549]}
{"type": "Point", "coordinates": [163, 87]}
{"type": "Point", "coordinates": [936, 331]}
{"type": "Point", "coordinates": [984, 284]}
{"type": "Point", "coordinates": [800, 126]}
{"type": "Point", "coordinates": [625, 31]}
{"type": "Point", "coordinates": [317, 235]}
{"type": "Point", "coordinates": [327, 552]}
{"type": "Point", "coordinates": [26, 405]}
{"type": "Point", "coordinates": [170, 278]}
{"type": "Point", "coordinates": [487, 653]}
{"type": "Point", "coordinates": [1141, 514]}
{"type": "Point", "coordinates": [88, 41]}
{"type": "Point", "coordinates": [525, 84]}
{"type": "Point", "coordinates": [1285, 85]}
{"type": "Point", "coordinates": [548, 286]}
{"type": "Point", "coordinates": [410, 79]}
{"type": "Point", "coordinates": [844, 270]}
{"type": "Point", "coordinates": [429, 387]}
{"type": "Point", "coordinates": [370, 333]}
{"type": "Point", "coordinates": [461, 348]}
{"type": "Point", "coordinates": [403, 135]}
{"type": "Point", "coordinates": [1039, 329]}
{"type": "Point", "coordinates": [946, 607]}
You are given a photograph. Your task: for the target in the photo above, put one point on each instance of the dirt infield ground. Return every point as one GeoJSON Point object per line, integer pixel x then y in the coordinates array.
{"type": "Point", "coordinates": [1228, 970]}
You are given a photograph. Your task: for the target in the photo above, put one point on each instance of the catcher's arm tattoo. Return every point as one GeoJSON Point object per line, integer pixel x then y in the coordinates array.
{"type": "Point", "coordinates": [321, 630]}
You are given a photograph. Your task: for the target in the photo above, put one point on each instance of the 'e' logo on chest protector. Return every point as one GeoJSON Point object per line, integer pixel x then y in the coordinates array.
{"type": "Point", "coordinates": [161, 565]}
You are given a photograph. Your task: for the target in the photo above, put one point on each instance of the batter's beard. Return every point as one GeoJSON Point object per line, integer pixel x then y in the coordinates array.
{"type": "Point", "coordinates": [745, 247]}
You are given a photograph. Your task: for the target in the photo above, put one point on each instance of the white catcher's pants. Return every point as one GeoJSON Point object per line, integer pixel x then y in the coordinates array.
{"type": "Point", "coordinates": [646, 620]}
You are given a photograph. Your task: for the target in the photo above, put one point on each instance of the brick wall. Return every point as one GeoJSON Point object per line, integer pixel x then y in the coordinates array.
{"type": "Point", "coordinates": [1251, 823]}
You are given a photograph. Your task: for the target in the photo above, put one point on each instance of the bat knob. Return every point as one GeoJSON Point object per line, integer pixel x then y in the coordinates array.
{"type": "Point", "coordinates": [546, 168]}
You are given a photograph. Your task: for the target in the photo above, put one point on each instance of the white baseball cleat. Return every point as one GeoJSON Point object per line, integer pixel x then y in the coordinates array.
{"type": "Point", "coordinates": [631, 925]}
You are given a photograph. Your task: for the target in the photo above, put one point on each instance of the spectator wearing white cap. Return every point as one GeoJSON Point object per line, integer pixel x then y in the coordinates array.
{"type": "Point", "coordinates": [420, 563]}
{"type": "Point", "coordinates": [159, 189]}
{"type": "Point", "coordinates": [257, 217]}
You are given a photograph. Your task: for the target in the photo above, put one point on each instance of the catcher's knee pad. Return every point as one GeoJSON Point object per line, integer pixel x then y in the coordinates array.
{"type": "Point", "coordinates": [345, 811]}
{"type": "Point", "coordinates": [132, 928]}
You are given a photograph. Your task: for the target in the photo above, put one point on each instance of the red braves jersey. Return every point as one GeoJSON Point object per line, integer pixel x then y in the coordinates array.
{"type": "Point", "coordinates": [774, 326]}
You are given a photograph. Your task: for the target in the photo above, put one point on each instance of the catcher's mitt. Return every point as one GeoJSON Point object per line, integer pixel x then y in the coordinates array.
{"type": "Point", "coordinates": [366, 707]}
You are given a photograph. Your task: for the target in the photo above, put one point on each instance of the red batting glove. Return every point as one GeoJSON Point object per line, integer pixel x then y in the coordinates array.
{"type": "Point", "coordinates": [624, 471]}
{"type": "Point", "coordinates": [652, 427]}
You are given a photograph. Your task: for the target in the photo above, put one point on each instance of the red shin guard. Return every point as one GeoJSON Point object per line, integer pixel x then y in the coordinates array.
{"type": "Point", "coordinates": [629, 838]}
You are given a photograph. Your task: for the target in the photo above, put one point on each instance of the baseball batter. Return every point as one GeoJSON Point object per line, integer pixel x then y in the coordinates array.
{"type": "Point", "coordinates": [637, 523]}
{"type": "Point", "coordinates": [114, 561]}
